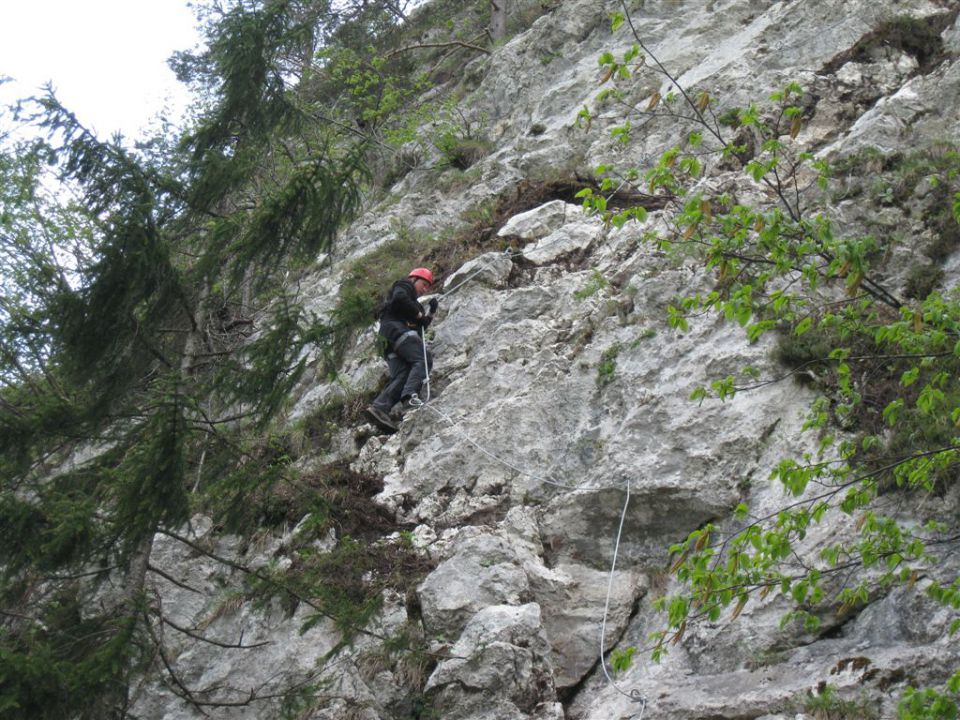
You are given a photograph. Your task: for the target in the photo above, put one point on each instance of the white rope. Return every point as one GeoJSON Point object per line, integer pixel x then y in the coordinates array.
{"type": "Point", "coordinates": [470, 277]}
{"type": "Point", "coordinates": [634, 694]}
{"type": "Point", "coordinates": [489, 454]}
{"type": "Point", "coordinates": [463, 282]}
{"type": "Point", "coordinates": [417, 403]}
{"type": "Point", "coordinates": [426, 369]}
{"type": "Point", "coordinates": [510, 254]}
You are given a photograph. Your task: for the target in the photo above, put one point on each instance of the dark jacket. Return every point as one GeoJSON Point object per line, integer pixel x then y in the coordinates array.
{"type": "Point", "coordinates": [401, 312]}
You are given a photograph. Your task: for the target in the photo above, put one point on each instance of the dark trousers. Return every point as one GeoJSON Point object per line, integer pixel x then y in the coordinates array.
{"type": "Point", "coordinates": [407, 371]}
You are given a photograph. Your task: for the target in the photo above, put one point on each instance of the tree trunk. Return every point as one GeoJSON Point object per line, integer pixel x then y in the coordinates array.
{"type": "Point", "coordinates": [498, 19]}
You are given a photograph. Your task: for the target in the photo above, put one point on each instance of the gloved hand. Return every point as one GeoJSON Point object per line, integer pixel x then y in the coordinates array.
{"type": "Point", "coordinates": [433, 305]}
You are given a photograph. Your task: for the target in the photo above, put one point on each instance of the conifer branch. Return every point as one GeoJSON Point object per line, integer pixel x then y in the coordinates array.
{"type": "Point", "coordinates": [266, 578]}
{"type": "Point", "coordinates": [186, 693]}
{"type": "Point", "coordinates": [18, 616]}
{"type": "Point", "coordinates": [78, 576]}
{"type": "Point", "coordinates": [166, 576]}
{"type": "Point", "coordinates": [230, 646]}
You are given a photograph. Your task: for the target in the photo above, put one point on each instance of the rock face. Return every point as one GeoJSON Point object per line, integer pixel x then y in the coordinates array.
{"type": "Point", "coordinates": [559, 407]}
{"type": "Point", "coordinates": [503, 656]}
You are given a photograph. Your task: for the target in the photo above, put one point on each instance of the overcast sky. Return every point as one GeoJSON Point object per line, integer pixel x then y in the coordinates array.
{"type": "Point", "coordinates": [105, 58]}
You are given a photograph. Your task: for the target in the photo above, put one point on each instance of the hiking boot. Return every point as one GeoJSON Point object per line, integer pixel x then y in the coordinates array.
{"type": "Point", "coordinates": [381, 419]}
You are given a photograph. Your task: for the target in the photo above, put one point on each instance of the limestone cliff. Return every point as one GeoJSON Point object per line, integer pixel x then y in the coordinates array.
{"type": "Point", "coordinates": [560, 406]}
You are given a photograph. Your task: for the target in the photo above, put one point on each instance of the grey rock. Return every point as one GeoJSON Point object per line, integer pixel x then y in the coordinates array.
{"type": "Point", "coordinates": [502, 658]}
{"type": "Point", "coordinates": [484, 572]}
{"type": "Point", "coordinates": [541, 221]}
{"type": "Point", "coordinates": [560, 384]}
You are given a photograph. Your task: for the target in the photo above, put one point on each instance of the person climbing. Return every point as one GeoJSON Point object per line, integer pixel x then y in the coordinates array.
{"type": "Point", "coordinates": [402, 321]}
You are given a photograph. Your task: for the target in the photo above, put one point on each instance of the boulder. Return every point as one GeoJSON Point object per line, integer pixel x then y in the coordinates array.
{"type": "Point", "coordinates": [501, 663]}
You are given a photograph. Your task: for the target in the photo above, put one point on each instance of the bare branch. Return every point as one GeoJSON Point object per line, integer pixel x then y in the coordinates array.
{"type": "Point", "coordinates": [452, 43]}
{"type": "Point", "coordinates": [266, 578]}
{"type": "Point", "coordinates": [170, 578]}
{"type": "Point", "coordinates": [232, 646]}
{"type": "Point", "coordinates": [184, 692]}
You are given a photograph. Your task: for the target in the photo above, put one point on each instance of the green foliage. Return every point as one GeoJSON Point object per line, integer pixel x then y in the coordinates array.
{"type": "Point", "coordinates": [828, 705]}
{"type": "Point", "coordinates": [608, 365]}
{"type": "Point", "coordinates": [621, 660]}
{"type": "Point", "coordinates": [64, 665]}
{"type": "Point", "coordinates": [303, 215]}
{"type": "Point", "coordinates": [378, 92]}
{"type": "Point", "coordinates": [929, 703]}
{"type": "Point", "coordinates": [596, 283]}
{"type": "Point", "coordinates": [887, 368]}
{"type": "Point", "coordinates": [460, 139]}
{"type": "Point", "coordinates": [242, 62]}
{"type": "Point", "coordinates": [146, 337]}
{"type": "Point", "coordinates": [244, 495]}
{"type": "Point", "coordinates": [147, 487]}
{"type": "Point", "coordinates": [344, 585]}
{"type": "Point", "coordinates": [261, 373]}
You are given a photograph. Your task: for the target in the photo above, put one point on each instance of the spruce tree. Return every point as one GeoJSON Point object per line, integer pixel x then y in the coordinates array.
{"type": "Point", "coordinates": [127, 341]}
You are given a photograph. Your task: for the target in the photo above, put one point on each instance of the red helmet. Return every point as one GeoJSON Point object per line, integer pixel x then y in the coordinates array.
{"type": "Point", "coordinates": [423, 274]}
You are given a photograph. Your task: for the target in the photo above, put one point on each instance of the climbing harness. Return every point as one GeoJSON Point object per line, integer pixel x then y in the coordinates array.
{"type": "Point", "coordinates": [417, 403]}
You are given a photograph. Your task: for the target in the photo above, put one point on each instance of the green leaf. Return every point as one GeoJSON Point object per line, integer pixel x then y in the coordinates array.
{"type": "Point", "coordinates": [621, 660]}
{"type": "Point", "coordinates": [621, 133]}
{"type": "Point", "coordinates": [953, 685]}
{"type": "Point", "coordinates": [724, 388]}
{"type": "Point", "coordinates": [584, 118]}
{"type": "Point", "coordinates": [909, 377]}
{"type": "Point", "coordinates": [677, 319]}
{"type": "Point", "coordinates": [756, 170]}
{"type": "Point", "coordinates": [691, 166]}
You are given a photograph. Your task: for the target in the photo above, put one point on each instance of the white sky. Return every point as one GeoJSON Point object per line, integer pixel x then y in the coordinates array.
{"type": "Point", "coordinates": [105, 58]}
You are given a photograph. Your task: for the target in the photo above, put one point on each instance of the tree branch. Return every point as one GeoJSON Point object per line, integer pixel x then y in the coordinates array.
{"type": "Point", "coordinates": [231, 646]}
{"type": "Point", "coordinates": [452, 43]}
{"type": "Point", "coordinates": [186, 694]}
{"type": "Point", "coordinates": [170, 578]}
{"type": "Point", "coordinates": [266, 578]}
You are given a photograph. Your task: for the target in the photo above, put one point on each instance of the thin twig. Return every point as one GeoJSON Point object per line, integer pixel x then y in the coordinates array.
{"type": "Point", "coordinates": [231, 646]}
{"type": "Point", "coordinates": [186, 694]}
{"type": "Point", "coordinates": [452, 43]}
{"type": "Point", "coordinates": [266, 578]}
{"type": "Point", "coordinates": [170, 578]}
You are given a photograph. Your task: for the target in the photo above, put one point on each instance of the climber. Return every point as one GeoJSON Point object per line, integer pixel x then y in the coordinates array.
{"type": "Point", "coordinates": [402, 322]}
